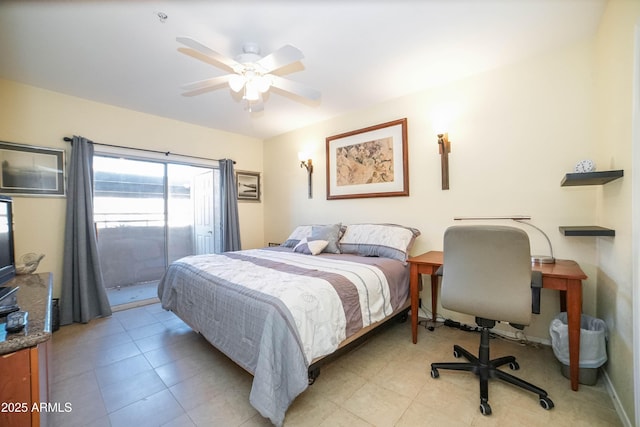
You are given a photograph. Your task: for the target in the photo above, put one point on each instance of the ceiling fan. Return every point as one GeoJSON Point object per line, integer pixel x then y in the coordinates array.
{"type": "Point", "coordinates": [251, 73]}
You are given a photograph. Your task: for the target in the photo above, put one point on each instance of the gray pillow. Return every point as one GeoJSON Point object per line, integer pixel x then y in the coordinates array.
{"type": "Point", "coordinates": [330, 233]}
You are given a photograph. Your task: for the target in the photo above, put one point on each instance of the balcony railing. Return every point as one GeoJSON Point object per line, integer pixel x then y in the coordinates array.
{"type": "Point", "coordinates": [133, 251]}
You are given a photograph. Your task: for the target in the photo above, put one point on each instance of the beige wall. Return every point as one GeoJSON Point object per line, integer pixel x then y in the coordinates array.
{"type": "Point", "coordinates": [33, 116]}
{"type": "Point", "coordinates": [515, 132]}
{"type": "Point", "coordinates": [614, 75]}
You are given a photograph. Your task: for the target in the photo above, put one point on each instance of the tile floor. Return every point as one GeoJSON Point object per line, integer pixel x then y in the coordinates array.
{"type": "Point", "coordinates": [145, 367]}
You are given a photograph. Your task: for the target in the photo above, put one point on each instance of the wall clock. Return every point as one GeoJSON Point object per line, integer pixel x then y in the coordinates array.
{"type": "Point", "coordinates": [584, 166]}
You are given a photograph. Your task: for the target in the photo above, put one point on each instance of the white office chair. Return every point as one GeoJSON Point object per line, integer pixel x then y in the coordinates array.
{"type": "Point", "coordinates": [487, 274]}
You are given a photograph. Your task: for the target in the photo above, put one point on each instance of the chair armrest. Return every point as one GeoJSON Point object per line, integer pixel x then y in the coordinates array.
{"type": "Point", "coordinates": [536, 285]}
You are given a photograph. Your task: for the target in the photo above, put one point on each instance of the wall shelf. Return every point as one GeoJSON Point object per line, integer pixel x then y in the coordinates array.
{"type": "Point", "coordinates": [591, 178]}
{"type": "Point", "coordinates": [587, 230]}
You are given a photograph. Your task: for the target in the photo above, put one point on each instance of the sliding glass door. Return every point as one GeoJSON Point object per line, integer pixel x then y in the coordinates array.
{"type": "Point", "coordinates": [149, 213]}
{"type": "Point", "coordinates": [193, 219]}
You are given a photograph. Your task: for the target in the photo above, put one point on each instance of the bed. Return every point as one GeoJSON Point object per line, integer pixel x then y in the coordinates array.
{"type": "Point", "coordinates": [279, 312]}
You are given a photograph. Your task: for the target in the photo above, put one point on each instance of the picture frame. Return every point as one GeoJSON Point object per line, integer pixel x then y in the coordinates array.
{"type": "Point", "coordinates": [31, 171]}
{"type": "Point", "coordinates": [369, 162]}
{"type": "Point", "coordinates": [248, 185]}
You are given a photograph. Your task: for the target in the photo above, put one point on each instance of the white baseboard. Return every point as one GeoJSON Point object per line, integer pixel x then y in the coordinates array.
{"type": "Point", "coordinates": [624, 418]}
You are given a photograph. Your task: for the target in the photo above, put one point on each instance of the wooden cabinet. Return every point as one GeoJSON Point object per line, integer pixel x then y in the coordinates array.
{"type": "Point", "coordinates": [25, 356]}
{"type": "Point", "coordinates": [24, 384]}
{"type": "Point", "coordinates": [15, 388]}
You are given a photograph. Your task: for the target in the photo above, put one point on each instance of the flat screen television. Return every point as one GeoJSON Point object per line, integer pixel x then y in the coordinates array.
{"type": "Point", "coordinates": [7, 254]}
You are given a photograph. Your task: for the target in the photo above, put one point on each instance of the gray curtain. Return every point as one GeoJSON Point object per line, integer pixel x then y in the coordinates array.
{"type": "Point", "coordinates": [229, 199]}
{"type": "Point", "coordinates": [83, 295]}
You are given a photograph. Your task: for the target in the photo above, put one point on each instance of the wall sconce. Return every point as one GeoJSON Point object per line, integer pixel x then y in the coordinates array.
{"type": "Point", "coordinates": [444, 148]}
{"type": "Point", "coordinates": [308, 165]}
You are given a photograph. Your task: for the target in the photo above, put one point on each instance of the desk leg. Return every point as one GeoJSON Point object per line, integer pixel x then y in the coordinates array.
{"type": "Point", "coordinates": [574, 312]}
{"type": "Point", "coordinates": [414, 291]}
{"type": "Point", "coordinates": [434, 296]}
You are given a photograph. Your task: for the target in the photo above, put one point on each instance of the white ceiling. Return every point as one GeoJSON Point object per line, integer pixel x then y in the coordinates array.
{"type": "Point", "coordinates": [357, 52]}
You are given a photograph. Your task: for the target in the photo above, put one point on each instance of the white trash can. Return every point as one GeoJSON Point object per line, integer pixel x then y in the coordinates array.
{"type": "Point", "coordinates": [593, 346]}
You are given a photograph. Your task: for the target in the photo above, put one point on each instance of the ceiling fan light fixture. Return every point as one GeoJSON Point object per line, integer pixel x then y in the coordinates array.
{"type": "Point", "coordinates": [251, 92]}
{"type": "Point", "coordinates": [263, 83]}
{"type": "Point", "coordinates": [236, 82]}
{"type": "Point", "coordinates": [251, 72]}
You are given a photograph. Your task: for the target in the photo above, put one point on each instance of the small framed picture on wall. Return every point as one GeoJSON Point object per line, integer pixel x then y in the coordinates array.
{"type": "Point", "coordinates": [248, 185]}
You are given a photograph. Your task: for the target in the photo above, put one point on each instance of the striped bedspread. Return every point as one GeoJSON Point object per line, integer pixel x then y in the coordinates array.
{"type": "Point", "coordinates": [273, 311]}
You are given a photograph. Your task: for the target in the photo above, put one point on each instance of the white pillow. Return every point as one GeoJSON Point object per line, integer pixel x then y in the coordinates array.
{"type": "Point", "coordinates": [299, 233]}
{"type": "Point", "coordinates": [383, 240]}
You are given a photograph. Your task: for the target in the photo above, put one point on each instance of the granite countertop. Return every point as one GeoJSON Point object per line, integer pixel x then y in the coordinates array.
{"type": "Point", "coordinates": [33, 296]}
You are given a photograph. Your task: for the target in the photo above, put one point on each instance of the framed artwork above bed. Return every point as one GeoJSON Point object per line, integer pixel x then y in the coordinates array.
{"type": "Point", "coordinates": [369, 162]}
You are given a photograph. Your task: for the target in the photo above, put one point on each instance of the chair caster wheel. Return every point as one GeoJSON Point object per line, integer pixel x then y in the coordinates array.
{"type": "Point", "coordinates": [546, 403]}
{"type": "Point", "coordinates": [456, 354]}
{"type": "Point", "coordinates": [485, 409]}
{"type": "Point", "coordinates": [434, 373]}
{"type": "Point", "coordinates": [514, 366]}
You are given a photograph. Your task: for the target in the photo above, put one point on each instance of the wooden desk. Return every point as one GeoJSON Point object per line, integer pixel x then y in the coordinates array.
{"type": "Point", "coordinates": [565, 276]}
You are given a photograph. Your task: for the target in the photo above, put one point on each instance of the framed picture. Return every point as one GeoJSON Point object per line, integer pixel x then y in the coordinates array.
{"type": "Point", "coordinates": [29, 170]}
{"type": "Point", "coordinates": [248, 185]}
{"type": "Point", "coordinates": [370, 162]}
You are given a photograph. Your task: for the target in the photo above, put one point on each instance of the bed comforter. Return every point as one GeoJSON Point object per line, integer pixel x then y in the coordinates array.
{"type": "Point", "coordinates": [273, 311]}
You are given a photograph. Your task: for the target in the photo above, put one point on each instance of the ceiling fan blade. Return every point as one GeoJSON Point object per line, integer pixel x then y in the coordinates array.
{"type": "Point", "coordinates": [212, 82]}
{"type": "Point", "coordinates": [202, 57]}
{"type": "Point", "coordinates": [196, 45]}
{"type": "Point", "coordinates": [202, 86]}
{"type": "Point", "coordinates": [280, 58]}
{"type": "Point", "coordinates": [294, 88]}
{"type": "Point", "coordinates": [198, 91]}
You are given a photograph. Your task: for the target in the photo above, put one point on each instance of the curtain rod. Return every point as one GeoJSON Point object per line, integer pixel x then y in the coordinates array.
{"type": "Point", "coordinates": [166, 153]}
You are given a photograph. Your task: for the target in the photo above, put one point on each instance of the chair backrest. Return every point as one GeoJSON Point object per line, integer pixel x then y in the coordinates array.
{"type": "Point", "coordinates": [487, 272]}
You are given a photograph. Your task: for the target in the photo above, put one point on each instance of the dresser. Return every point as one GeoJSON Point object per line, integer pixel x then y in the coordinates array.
{"type": "Point", "coordinates": [25, 356]}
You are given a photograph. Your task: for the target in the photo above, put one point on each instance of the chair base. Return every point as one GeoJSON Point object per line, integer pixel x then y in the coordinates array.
{"type": "Point", "coordinates": [485, 369]}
